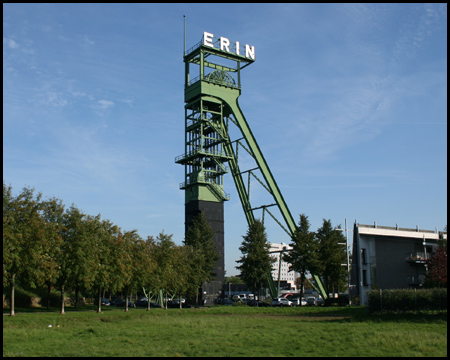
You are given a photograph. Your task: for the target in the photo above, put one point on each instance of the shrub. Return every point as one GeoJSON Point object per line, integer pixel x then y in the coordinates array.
{"type": "Point", "coordinates": [403, 300]}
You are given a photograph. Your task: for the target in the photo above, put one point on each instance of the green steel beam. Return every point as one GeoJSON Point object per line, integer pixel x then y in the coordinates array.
{"type": "Point", "coordinates": [240, 187]}
{"type": "Point", "coordinates": [231, 101]}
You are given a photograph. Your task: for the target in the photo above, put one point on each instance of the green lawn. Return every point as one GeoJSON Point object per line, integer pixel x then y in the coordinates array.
{"type": "Point", "coordinates": [225, 331]}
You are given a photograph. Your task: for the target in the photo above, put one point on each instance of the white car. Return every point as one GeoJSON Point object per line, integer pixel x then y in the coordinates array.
{"type": "Point", "coordinates": [298, 302]}
{"type": "Point", "coordinates": [281, 302]}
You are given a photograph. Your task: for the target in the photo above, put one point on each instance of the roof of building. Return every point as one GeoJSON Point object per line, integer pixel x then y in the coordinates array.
{"type": "Point", "coordinates": [400, 232]}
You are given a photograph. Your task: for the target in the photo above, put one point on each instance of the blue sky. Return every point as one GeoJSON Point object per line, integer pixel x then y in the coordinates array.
{"type": "Point", "coordinates": [348, 103]}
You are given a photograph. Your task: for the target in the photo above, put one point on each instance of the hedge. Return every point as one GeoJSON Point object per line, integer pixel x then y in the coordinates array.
{"type": "Point", "coordinates": [403, 300]}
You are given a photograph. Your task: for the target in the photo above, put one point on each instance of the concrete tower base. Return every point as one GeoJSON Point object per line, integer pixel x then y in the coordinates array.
{"type": "Point", "coordinates": [213, 211]}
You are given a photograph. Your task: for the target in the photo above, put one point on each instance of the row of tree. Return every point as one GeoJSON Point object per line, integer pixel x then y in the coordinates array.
{"type": "Point", "coordinates": [45, 244]}
{"type": "Point", "coordinates": [320, 253]}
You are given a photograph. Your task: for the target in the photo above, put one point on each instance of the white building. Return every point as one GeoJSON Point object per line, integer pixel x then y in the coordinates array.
{"type": "Point", "coordinates": [286, 275]}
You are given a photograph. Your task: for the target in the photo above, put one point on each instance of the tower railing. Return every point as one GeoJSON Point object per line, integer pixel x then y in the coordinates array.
{"type": "Point", "coordinates": [212, 81]}
{"type": "Point", "coordinates": [196, 152]}
{"type": "Point", "coordinates": [201, 179]}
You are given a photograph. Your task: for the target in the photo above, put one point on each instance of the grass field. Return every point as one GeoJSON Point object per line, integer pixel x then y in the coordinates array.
{"type": "Point", "coordinates": [225, 331]}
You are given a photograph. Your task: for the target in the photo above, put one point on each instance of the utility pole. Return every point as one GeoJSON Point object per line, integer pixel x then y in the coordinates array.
{"type": "Point", "coordinates": [348, 257]}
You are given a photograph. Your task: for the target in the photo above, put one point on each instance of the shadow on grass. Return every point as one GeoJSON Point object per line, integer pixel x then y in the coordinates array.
{"type": "Point", "coordinates": [331, 314]}
{"type": "Point", "coordinates": [361, 314]}
{"type": "Point", "coordinates": [56, 310]}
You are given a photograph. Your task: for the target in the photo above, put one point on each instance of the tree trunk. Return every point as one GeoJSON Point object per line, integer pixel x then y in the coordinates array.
{"type": "Point", "coordinates": [12, 283]}
{"type": "Point", "coordinates": [196, 298]}
{"type": "Point", "coordinates": [126, 301]}
{"type": "Point", "coordinates": [62, 300]}
{"type": "Point", "coordinates": [302, 279]}
{"type": "Point", "coordinates": [99, 308]}
{"type": "Point", "coordinates": [77, 291]}
{"type": "Point", "coordinates": [48, 295]}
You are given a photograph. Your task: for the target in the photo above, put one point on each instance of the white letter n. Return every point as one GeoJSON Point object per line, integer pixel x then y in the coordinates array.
{"type": "Point", "coordinates": [250, 52]}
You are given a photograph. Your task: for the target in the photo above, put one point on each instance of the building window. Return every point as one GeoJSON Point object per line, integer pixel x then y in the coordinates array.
{"type": "Point", "coordinates": [363, 256]}
{"type": "Point", "coordinates": [364, 277]}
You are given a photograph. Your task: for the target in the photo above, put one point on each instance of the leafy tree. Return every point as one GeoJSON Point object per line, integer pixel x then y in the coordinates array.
{"type": "Point", "coordinates": [304, 255]}
{"type": "Point", "coordinates": [128, 261]}
{"type": "Point", "coordinates": [165, 258]}
{"type": "Point", "coordinates": [332, 255]}
{"type": "Point", "coordinates": [256, 261]}
{"type": "Point", "coordinates": [27, 240]}
{"type": "Point", "coordinates": [56, 271]}
{"type": "Point", "coordinates": [437, 267]}
{"type": "Point", "coordinates": [79, 238]}
{"type": "Point", "coordinates": [188, 271]}
{"type": "Point", "coordinates": [234, 280]}
{"type": "Point", "coordinates": [11, 243]}
{"type": "Point", "coordinates": [148, 265]}
{"type": "Point", "coordinates": [200, 237]}
{"type": "Point", "coordinates": [102, 275]}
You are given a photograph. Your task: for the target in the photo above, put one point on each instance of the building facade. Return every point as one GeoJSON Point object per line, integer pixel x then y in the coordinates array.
{"type": "Point", "coordinates": [285, 275]}
{"type": "Point", "coordinates": [390, 257]}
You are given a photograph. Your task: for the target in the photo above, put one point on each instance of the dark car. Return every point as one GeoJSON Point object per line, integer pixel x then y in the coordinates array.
{"type": "Point", "coordinates": [225, 301]}
{"type": "Point", "coordinates": [121, 303]}
{"type": "Point", "coordinates": [310, 300]}
{"type": "Point", "coordinates": [141, 303]}
{"type": "Point", "coordinates": [144, 303]}
{"type": "Point", "coordinates": [103, 301]}
{"type": "Point", "coordinates": [176, 304]}
{"type": "Point", "coordinates": [116, 302]}
{"type": "Point", "coordinates": [257, 303]}
{"type": "Point", "coordinates": [319, 302]}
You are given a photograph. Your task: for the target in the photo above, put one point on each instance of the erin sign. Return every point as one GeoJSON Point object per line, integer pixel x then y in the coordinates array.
{"type": "Point", "coordinates": [224, 45]}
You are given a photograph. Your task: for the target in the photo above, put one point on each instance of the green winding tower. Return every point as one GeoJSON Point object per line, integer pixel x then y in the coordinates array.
{"type": "Point", "coordinates": [211, 107]}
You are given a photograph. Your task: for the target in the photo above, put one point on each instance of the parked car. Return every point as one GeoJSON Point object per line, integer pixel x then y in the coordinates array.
{"type": "Point", "coordinates": [257, 303]}
{"type": "Point", "coordinates": [319, 301]}
{"type": "Point", "coordinates": [103, 301]}
{"type": "Point", "coordinates": [225, 301]}
{"type": "Point", "coordinates": [280, 302]}
{"type": "Point", "coordinates": [121, 303]}
{"type": "Point", "coordinates": [298, 301]}
{"type": "Point", "coordinates": [143, 302]}
{"type": "Point", "coordinates": [310, 300]}
{"type": "Point", "coordinates": [116, 302]}
{"type": "Point", "coordinates": [176, 304]}
{"type": "Point", "coordinates": [287, 296]}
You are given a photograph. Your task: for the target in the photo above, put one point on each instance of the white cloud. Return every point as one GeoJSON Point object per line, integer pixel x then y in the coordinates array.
{"type": "Point", "coordinates": [88, 41]}
{"type": "Point", "coordinates": [54, 98]}
{"type": "Point", "coordinates": [10, 43]}
{"type": "Point", "coordinates": [104, 104]}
